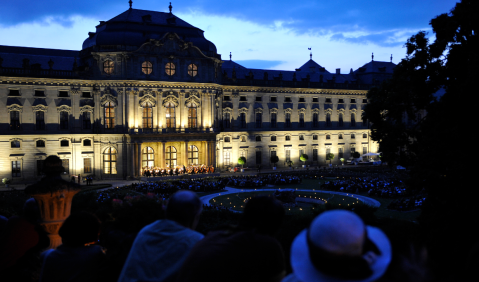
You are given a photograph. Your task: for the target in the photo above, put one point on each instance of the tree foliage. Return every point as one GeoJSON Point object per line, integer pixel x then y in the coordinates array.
{"type": "Point", "coordinates": [435, 79]}
{"type": "Point", "coordinates": [274, 159]}
{"type": "Point", "coordinates": [329, 157]}
{"type": "Point", "coordinates": [303, 157]}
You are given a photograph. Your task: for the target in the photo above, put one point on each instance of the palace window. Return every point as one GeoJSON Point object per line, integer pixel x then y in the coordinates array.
{"type": "Point", "coordinates": [109, 115]}
{"type": "Point", "coordinates": [226, 158]}
{"type": "Point", "coordinates": [315, 155]}
{"type": "Point", "coordinates": [170, 69]}
{"type": "Point", "coordinates": [258, 138]}
{"type": "Point", "coordinates": [64, 120]}
{"type": "Point", "coordinates": [192, 111]}
{"type": "Point", "coordinates": [64, 143]}
{"type": "Point", "coordinates": [243, 120]}
{"type": "Point", "coordinates": [274, 99]}
{"type": "Point", "coordinates": [353, 101]}
{"type": "Point", "coordinates": [39, 93]}
{"type": "Point", "coordinates": [258, 120]}
{"type": "Point", "coordinates": [365, 135]}
{"type": "Point", "coordinates": [16, 169]}
{"type": "Point", "coordinates": [170, 156]}
{"type": "Point", "coordinates": [353, 150]}
{"type": "Point", "coordinates": [273, 138]}
{"type": "Point", "coordinates": [227, 120]}
{"type": "Point", "coordinates": [86, 120]}
{"type": "Point", "coordinates": [340, 153]}
{"type": "Point", "coordinates": [340, 136]}
{"type": "Point", "coordinates": [287, 138]}
{"type": "Point", "coordinates": [301, 120]}
{"type": "Point", "coordinates": [258, 99]}
{"type": "Point", "coordinates": [87, 142]}
{"type": "Point", "coordinates": [227, 98]}
{"type": "Point", "coordinates": [287, 118]}
{"type": "Point", "coordinates": [341, 101]}
{"type": "Point", "coordinates": [108, 67]}
{"type": "Point", "coordinates": [15, 144]}
{"type": "Point", "coordinates": [315, 120]}
{"type": "Point", "coordinates": [63, 94]}
{"type": "Point", "coordinates": [243, 138]}
{"type": "Point", "coordinates": [147, 157]}
{"type": "Point", "coordinates": [146, 67]}
{"type": "Point", "coordinates": [109, 161]}
{"type": "Point", "coordinates": [315, 137]}
{"type": "Point", "coordinates": [301, 137]}
{"type": "Point", "coordinates": [242, 99]}
{"type": "Point", "coordinates": [170, 115]}
{"type": "Point", "coordinates": [227, 139]}
{"type": "Point", "coordinates": [315, 100]}
{"type": "Point", "coordinates": [328, 120]}
{"type": "Point", "coordinates": [147, 116]}
{"type": "Point", "coordinates": [86, 94]}
{"type": "Point", "coordinates": [39, 120]}
{"type": "Point", "coordinates": [353, 120]}
{"type": "Point", "coordinates": [288, 155]}
{"type": "Point", "coordinates": [258, 157]}
{"type": "Point", "coordinates": [40, 144]}
{"type": "Point", "coordinates": [365, 101]}
{"type": "Point", "coordinates": [287, 99]}
{"type": "Point", "coordinates": [353, 136]}
{"type": "Point", "coordinates": [328, 136]}
{"type": "Point", "coordinates": [340, 123]}
{"type": "Point", "coordinates": [66, 165]}
{"type": "Point", "coordinates": [301, 100]}
{"type": "Point", "coordinates": [14, 93]}
{"type": "Point", "coordinates": [193, 154]}
{"type": "Point", "coordinates": [14, 120]}
{"type": "Point", "coordinates": [192, 70]}
{"type": "Point", "coordinates": [328, 100]}
{"type": "Point", "coordinates": [87, 165]}
{"type": "Point", "coordinates": [274, 117]}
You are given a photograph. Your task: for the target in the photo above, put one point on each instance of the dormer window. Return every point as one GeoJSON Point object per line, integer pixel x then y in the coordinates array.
{"type": "Point", "coordinates": [63, 94]}
{"type": "Point", "coordinates": [243, 98]}
{"type": "Point", "coordinates": [301, 100]}
{"type": "Point", "coordinates": [328, 100]}
{"type": "Point", "coordinates": [146, 67]}
{"type": "Point", "coordinates": [341, 101]}
{"type": "Point", "coordinates": [315, 100]}
{"type": "Point", "coordinates": [39, 93]}
{"type": "Point", "coordinates": [170, 69]}
{"type": "Point", "coordinates": [192, 70]}
{"type": "Point", "coordinates": [14, 92]}
{"type": "Point", "coordinates": [108, 66]}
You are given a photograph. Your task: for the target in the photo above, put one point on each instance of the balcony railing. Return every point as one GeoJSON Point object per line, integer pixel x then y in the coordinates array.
{"type": "Point", "coordinates": [170, 130]}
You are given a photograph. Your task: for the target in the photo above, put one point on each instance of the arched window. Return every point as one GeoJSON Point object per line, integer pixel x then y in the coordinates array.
{"type": "Point", "coordinates": [14, 120]}
{"type": "Point", "coordinates": [315, 120]}
{"type": "Point", "coordinates": [63, 120]}
{"type": "Point", "coordinates": [192, 111]}
{"type": "Point", "coordinates": [170, 115]}
{"type": "Point", "coordinates": [109, 161]}
{"type": "Point", "coordinates": [146, 67]}
{"type": "Point", "coordinates": [193, 154]}
{"type": "Point", "coordinates": [340, 121]}
{"type": "Point", "coordinates": [109, 115]}
{"type": "Point", "coordinates": [192, 70]}
{"type": "Point", "coordinates": [170, 69]}
{"type": "Point", "coordinates": [328, 120]}
{"type": "Point", "coordinates": [301, 119]}
{"type": "Point", "coordinates": [328, 136]}
{"type": "Point", "coordinates": [258, 138]}
{"type": "Point", "coordinates": [287, 120]}
{"type": "Point", "coordinates": [170, 156]}
{"type": "Point", "coordinates": [148, 157]}
{"type": "Point", "coordinates": [108, 66]}
{"type": "Point", "coordinates": [148, 115]}
{"type": "Point", "coordinates": [353, 120]}
{"type": "Point", "coordinates": [243, 138]}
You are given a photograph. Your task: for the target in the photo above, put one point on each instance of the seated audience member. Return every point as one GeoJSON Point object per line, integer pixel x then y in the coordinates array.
{"type": "Point", "coordinates": [160, 248]}
{"type": "Point", "coordinates": [338, 246]}
{"type": "Point", "coordinates": [245, 253]}
{"type": "Point", "coordinates": [77, 259]}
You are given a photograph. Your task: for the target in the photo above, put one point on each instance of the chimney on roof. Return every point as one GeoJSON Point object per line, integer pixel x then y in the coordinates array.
{"type": "Point", "coordinates": [338, 71]}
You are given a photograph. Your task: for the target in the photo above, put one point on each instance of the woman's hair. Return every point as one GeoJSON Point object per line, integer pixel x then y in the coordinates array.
{"type": "Point", "coordinates": [80, 229]}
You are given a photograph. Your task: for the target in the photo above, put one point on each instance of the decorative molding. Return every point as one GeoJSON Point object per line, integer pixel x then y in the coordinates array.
{"type": "Point", "coordinates": [15, 107]}
{"type": "Point", "coordinates": [235, 94]}
{"type": "Point", "coordinates": [302, 111]}
{"type": "Point", "coordinates": [86, 108]}
{"type": "Point", "coordinates": [64, 108]}
{"type": "Point", "coordinates": [170, 99]}
{"type": "Point", "coordinates": [328, 111]}
{"type": "Point", "coordinates": [288, 111]}
{"type": "Point", "coordinates": [258, 111]}
{"type": "Point", "coordinates": [243, 110]}
{"type": "Point", "coordinates": [273, 110]}
{"type": "Point", "coordinates": [227, 110]}
{"type": "Point", "coordinates": [108, 98]}
{"type": "Point", "coordinates": [40, 108]}
{"type": "Point", "coordinates": [193, 99]}
{"type": "Point", "coordinates": [315, 111]}
{"type": "Point", "coordinates": [148, 98]}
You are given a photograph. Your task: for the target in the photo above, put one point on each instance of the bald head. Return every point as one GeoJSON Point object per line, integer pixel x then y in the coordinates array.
{"type": "Point", "coordinates": [184, 207]}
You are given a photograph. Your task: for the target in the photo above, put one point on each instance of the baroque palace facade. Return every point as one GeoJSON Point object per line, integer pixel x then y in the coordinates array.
{"type": "Point", "coordinates": [149, 90]}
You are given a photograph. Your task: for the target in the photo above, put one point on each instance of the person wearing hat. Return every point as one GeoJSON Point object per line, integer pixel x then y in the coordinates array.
{"type": "Point", "coordinates": [338, 246]}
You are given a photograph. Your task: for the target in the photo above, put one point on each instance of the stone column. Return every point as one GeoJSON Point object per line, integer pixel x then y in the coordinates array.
{"type": "Point", "coordinates": [163, 156]}
{"type": "Point", "coordinates": [139, 159]}
{"type": "Point", "coordinates": [207, 156]}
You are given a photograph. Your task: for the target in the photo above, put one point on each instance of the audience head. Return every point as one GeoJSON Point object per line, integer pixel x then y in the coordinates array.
{"type": "Point", "coordinates": [338, 246]}
{"type": "Point", "coordinates": [264, 214]}
{"type": "Point", "coordinates": [53, 166]}
{"type": "Point", "coordinates": [80, 229]}
{"type": "Point", "coordinates": [3, 223]}
{"type": "Point", "coordinates": [31, 211]}
{"type": "Point", "coordinates": [185, 208]}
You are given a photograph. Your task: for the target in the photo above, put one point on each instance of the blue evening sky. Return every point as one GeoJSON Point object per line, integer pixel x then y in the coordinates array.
{"type": "Point", "coordinates": [260, 34]}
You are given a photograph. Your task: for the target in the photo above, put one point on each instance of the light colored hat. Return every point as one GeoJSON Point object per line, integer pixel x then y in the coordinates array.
{"type": "Point", "coordinates": [338, 246]}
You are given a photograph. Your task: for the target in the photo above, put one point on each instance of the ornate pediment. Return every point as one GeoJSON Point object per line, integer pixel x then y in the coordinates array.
{"type": "Point", "coordinates": [64, 108]}
{"type": "Point", "coordinates": [107, 97]}
{"type": "Point", "coordinates": [193, 99]}
{"type": "Point", "coordinates": [148, 98]}
{"type": "Point", "coordinates": [243, 110]}
{"type": "Point", "coordinates": [302, 111]}
{"type": "Point", "coordinates": [170, 99]}
{"type": "Point", "coordinates": [75, 89]}
{"type": "Point", "coordinates": [86, 108]}
{"type": "Point", "coordinates": [328, 111]}
{"type": "Point", "coordinates": [258, 111]}
{"type": "Point", "coordinates": [227, 110]}
{"type": "Point", "coordinates": [315, 111]}
{"type": "Point", "coordinates": [40, 108]}
{"type": "Point", "coordinates": [273, 110]}
{"type": "Point", "coordinates": [288, 111]}
{"type": "Point", "coordinates": [15, 107]}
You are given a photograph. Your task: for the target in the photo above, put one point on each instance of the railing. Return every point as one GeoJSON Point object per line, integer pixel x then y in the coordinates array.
{"type": "Point", "coordinates": [37, 73]}
{"type": "Point", "coordinates": [170, 130]}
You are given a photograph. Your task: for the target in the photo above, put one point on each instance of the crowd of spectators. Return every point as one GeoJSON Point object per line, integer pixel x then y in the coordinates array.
{"type": "Point", "coordinates": [407, 204]}
{"type": "Point", "coordinates": [260, 180]}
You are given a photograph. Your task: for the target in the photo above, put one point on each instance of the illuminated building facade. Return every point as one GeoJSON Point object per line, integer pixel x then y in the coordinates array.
{"type": "Point", "coordinates": [149, 90]}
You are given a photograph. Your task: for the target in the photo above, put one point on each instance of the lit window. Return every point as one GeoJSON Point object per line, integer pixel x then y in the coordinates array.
{"type": "Point", "coordinates": [170, 156]}
{"type": "Point", "coordinates": [191, 115]}
{"type": "Point", "coordinates": [192, 70]}
{"type": "Point", "coordinates": [170, 115]}
{"type": "Point", "coordinates": [193, 154]}
{"type": "Point", "coordinates": [109, 115]}
{"type": "Point", "coordinates": [109, 161]}
{"type": "Point", "coordinates": [148, 116]}
{"type": "Point", "coordinates": [148, 157]}
{"type": "Point", "coordinates": [146, 67]}
{"type": "Point", "coordinates": [87, 165]}
{"type": "Point", "coordinates": [108, 67]}
{"type": "Point", "coordinates": [170, 69]}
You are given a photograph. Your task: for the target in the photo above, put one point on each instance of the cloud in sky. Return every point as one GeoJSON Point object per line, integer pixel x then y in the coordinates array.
{"type": "Point", "coordinates": [265, 34]}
